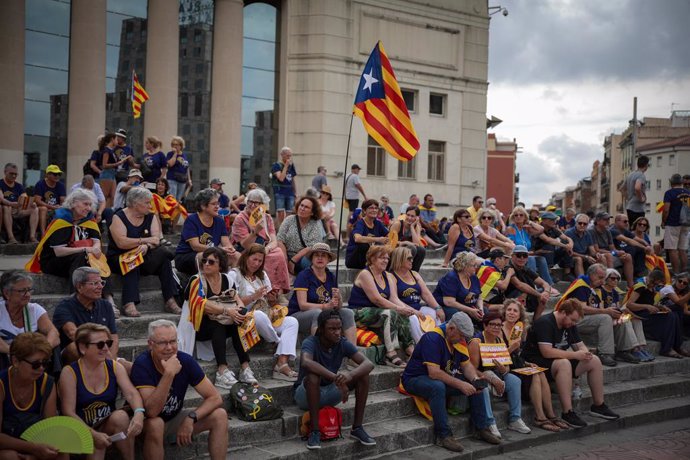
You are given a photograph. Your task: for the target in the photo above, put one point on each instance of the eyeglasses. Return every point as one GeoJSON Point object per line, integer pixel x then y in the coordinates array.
{"type": "Point", "coordinates": [254, 203]}
{"type": "Point", "coordinates": [520, 215]}
{"type": "Point", "coordinates": [614, 278]}
{"type": "Point", "coordinates": [24, 291]}
{"type": "Point", "coordinates": [683, 282]}
{"type": "Point", "coordinates": [642, 224]}
{"type": "Point", "coordinates": [487, 218]}
{"type": "Point", "coordinates": [582, 223]}
{"type": "Point", "coordinates": [100, 283]}
{"type": "Point", "coordinates": [521, 256]}
{"type": "Point", "coordinates": [44, 363]}
{"type": "Point", "coordinates": [495, 324]}
{"type": "Point", "coordinates": [165, 343]}
{"type": "Point", "coordinates": [210, 262]}
{"type": "Point", "coordinates": [102, 344]}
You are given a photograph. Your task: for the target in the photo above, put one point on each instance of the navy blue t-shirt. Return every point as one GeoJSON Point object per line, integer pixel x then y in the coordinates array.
{"type": "Point", "coordinates": [145, 375]}
{"type": "Point", "coordinates": [70, 310]}
{"type": "Point", "coordinates": [361, 228]}
{"type": "Point", "coordinates": [676, 197]}
{"type": "Point", "coordinates": [331, 358]}
{"type": "Point", "coordinates": [223, 201]}
{"type": "Point", "coordinates": [11, 193]}
{"type": "Point", "coordinates": [155, 162]}
{"type": "Point", "coordinates": [317, 292]}
{"type": "Point", "coordinates": [208, 236]}
{"type": "Point", "coordinates": [433, 348]}
{"type": "Point", "coordinates": [450, 286]}
{"type": "Point", "coordinates": [50, 195]}
{"type": "Point", "coordinates": [284, 187]}
{"type": "Point", "coordinates": [181, 166]}
{"type": "Point", "coordinates": [621, 245]}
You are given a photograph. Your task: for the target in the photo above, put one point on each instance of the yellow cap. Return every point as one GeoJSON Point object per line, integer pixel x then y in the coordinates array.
{"type": "Point", "coordinates": [55, 169]}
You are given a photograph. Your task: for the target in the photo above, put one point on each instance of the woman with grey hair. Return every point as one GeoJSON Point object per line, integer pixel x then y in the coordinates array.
{"type": "Point", "coordinates": [460, 289]}
{"type": "Point", "coordinates": [135, 231]}
{"type": "Point", "coordinates": [201, 230]}
{"type": "Point", "coordinates": [69, 240]}
{"type": "Point", "coordinates": [259, 229]}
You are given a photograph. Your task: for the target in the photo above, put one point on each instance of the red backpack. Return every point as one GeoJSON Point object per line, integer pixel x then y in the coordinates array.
{"type": "Point", "coordinates": [330, 421]}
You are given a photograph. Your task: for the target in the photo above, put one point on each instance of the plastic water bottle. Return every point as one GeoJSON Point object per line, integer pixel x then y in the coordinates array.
{"type": "Point", "coordinates": [577, 396]}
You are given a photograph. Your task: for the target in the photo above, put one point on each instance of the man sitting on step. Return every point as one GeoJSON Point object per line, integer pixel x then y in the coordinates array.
{"type": "Point", "coordinates": [162, 375]}
{"type": "Point", "coordinates": [322, 383]}
{"type": "Point", "coordinates": [440, 366]}
{"type": "Point", "coordinates": [599, 321]}
{"type": "Point", "coordinates": [553, 342]}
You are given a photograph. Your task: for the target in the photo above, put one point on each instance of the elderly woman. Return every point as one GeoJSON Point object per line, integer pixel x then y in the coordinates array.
{"type": "Point", "coordinates": [328, 212]}
{"type": "Point", "coordinates": [214, 281]}
{"type": "Point", "coordinates": [374, 298]}
{"type": "Point", "coordinates": [27, 395]}
{"type": "Point", "coordinates": [18, 314]}
{"type": "Point", "coordinates": [178, 173]}
{"type": "Point", "coordinates": [460, 289]}
{"type": "Point", "coordinates": [520, 230]}
{"type": "Point", "coordinates": [202, 230]}
{"type": "Point", "coordinates": [630, 325]}
{"type": "Point", "coordinates": [488, 236]}
{"type": "Point", "coordinates": [153, 163]}
{"type": "Point", "coordinates": [412, 290]}
{"type": "Point", "coordinates": [366, 232]}
{"type": "Point", "coordinates": [317, 289]}
{"type": "Point", "coordinates": [300, 231]}
{"type": "Point", "coordinates": [460, 236]}
{"type": "Point", "coordinates": [135, 230]}
{"type": "Point", "coordinates": [69, 240]}
{"type": "Point", "coordinates": [658, 321]}
{"type": "Point", "coordinates": [263, 232]}
{"type": "Point", "coordinates": [89, 389]}
{"type": "Point", "coordinates": [409, 231]}
{"type": "Point", "coordinates": [256, 292]}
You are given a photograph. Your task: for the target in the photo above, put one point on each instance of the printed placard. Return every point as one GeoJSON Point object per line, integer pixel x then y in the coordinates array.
{"type": "Point", "coordinates": [494, 351]}
{"type": "Point", "coordinates": [529, 370]}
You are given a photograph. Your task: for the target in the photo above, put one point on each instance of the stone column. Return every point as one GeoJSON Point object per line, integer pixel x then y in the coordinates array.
{"type": "Point", "coordinates": [12, 89]}
{"type": "Point", "coordinates": [86, 93]}
{"type": "Point", "coordinates": [226, 93]}
{"type": "Point", "coordinates": [162, 70]}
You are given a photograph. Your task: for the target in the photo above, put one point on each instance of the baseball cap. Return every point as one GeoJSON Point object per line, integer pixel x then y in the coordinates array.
{"type": "Point", "coordinates": [121, 133]}
{"type": "Point", "coordinates": [54, 169]}
{"type": "Point", "coordinates": [217, 181]}
{"type": "Point", "coordinates": [355, 166]}
{"type": "Point", "coordinates": [496, 253]}
{"type": "Point", "coordinates": [520, 249]}
{"type": "Point", "coordinates": [549, 215]}
{"type": "Point", "coordinates": [602, 215]}
{"type": "Point", "coordinates": [135, 173]}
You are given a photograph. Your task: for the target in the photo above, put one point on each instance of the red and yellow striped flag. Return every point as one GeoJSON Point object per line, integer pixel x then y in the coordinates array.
{"type": "Point", "coordinates": [197, 302]}
{"type": "Point", "coordinates": [168, 207]}
{"type": "Point", "coordinates": [139, 95]}
{"type": "Point", "coordinates": [381, 107]}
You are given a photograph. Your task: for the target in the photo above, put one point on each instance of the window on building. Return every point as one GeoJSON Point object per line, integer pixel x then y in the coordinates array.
{"type": "Point", "coordinates": [671, 160]}
{"type": "Point", "coordinates": [658, 184]}
{"type": "Point", "coordinates": [197, 36]}
{"type": "Point", "coordinates": [184, 105]}
{"type": "Point", "coordinates": [199, 68]}
{"type": "Point", "coordinates": [410, 98]}
{"type": "Point", "coordinates": [658, 161]}
{"type": "Point", "coordinates": [407, 169]}
{"type": "Point", "coordinates": [197, 105]}
{"type": "Point", "coordinates": [437, 104]}
{"type": "Point", "coordinates": [376, 159]}
{"type": "Point", "coordinates": [197, 51]}
{"type": "Point", "coordinates": [437, 161]}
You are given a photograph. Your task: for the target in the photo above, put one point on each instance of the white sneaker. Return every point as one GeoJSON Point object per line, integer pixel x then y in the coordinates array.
{"type": "Point", "coordinates": [519, 426]}
{"type": "Point", "coordinates": [247, 376]}
{"type": "Point", "coordinates": [494, 431]}
{"type": "Point", "coordinates": [226, 379]}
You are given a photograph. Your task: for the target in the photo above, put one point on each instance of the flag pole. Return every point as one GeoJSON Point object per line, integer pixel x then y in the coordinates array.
{"type": "Point", "coordinates": [342, 201]}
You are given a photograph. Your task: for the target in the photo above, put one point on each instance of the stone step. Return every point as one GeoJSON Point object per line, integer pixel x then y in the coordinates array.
{"type": "Point", "coordinates": [151, 300]}
{"type": "Point", "coordinates": [667, 397]}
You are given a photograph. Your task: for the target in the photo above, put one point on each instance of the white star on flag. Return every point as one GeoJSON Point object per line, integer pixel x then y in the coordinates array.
{"type": "Point", "coordinates": [369, 80]}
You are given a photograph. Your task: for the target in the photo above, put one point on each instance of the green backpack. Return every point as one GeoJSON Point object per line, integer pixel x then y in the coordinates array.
{"type": "Point", "coordinates": [253, 403]}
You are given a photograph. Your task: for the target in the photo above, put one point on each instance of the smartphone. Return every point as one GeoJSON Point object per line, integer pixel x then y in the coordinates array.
{"type": "Point", "coordinates": [480, 384]}
{"type": "Point", "coordinates": [121, 436]}
{"type": "Point", "coordinates": [243, 311]}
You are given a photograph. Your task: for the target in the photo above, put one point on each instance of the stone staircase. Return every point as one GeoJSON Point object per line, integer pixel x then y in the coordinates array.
{"type": "Point", "coordinates": [641, 393]}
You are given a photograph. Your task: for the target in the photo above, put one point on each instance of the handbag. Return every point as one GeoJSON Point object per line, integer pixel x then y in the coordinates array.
{"type": "Point", "coordinates": [227, 299]}
{"type": "Point", "coordinates": [180, 177]}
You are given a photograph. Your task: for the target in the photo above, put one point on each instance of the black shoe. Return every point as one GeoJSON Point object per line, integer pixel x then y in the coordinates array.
{"type": "Point", "coordinates": [603, 411]}
{"type": "Point", "coordinates": [627, 357]}
{"type": "Point", "coordinates": [572, 419]}
{"type": "Point", "coordinates": [607, 360]}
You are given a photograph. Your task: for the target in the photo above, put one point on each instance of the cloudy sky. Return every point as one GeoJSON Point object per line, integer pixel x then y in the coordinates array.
{"type": "Point", "coordinates": [563, 74]}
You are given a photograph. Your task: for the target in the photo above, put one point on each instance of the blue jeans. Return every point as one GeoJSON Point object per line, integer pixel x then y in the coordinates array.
{"type": "Point", "coordinates": [329, 395]}
{"type": "Point", "coordinates": [513, 395]}
{"type": "Point", "coordinates": [539, 265]}
{"type": "Point", "coordinates": [284, 202]}
{"type": "Point", "coordinates": [435, 392]}
{"type": "Point", "coordinates": [177, 189]}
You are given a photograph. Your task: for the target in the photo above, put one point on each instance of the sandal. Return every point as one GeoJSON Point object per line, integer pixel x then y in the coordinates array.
{"type": "Point", "coordinates": [547, 425]}
{"type": "Point", "coordinates": [131, 311]}
{"type": "Point", "coordinates": [395, 361]}
{"type": "Point", "coordinates": [672, 354]}
{"type": "Point", "coordinates": [279, 374]}
{"type": "Point", "coordinates": [560, 423]}
{"type": "Point", "coordinates": [172, 307]}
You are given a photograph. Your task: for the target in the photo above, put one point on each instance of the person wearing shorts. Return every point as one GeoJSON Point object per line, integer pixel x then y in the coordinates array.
{"type": "Point", "coordinates": [676, 234]}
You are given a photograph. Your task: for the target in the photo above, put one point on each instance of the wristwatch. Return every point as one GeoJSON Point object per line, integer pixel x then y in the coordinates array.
{"type": "Point", "coordinates": [193, 416]}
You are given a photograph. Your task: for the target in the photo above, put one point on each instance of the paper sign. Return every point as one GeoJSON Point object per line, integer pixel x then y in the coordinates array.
{"type": "Point", "coordinates": [256, 215]}
{"type": "Point", "coordinates": [494, 351]}
{"type": "Point", "coordinates": [529, 370]}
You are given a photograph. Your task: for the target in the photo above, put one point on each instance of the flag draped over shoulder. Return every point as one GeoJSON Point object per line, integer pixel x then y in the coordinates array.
{"type": "Point", "coordinates": [168, 207]}
{"type": "Point", "coordinates": [578, 283]}
{"type": "Point", "coordinates": [381, 107]}
{"type": "Point", "coordinates": [34, 264]}
{"type": "Point", "coordinates": [197, 302]}
{"type": "Point", "coordinates": [488, 277]}
{"type": "Point", "coordinates": [139, 95]}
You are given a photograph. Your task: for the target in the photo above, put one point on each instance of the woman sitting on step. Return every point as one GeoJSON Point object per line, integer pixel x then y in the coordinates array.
{"type": "Point", "coordinates": [255, 290]}
{"type": "Point", "coordinates": [412, 290]}
{"type": "Point", "coordinates": [374, 298]}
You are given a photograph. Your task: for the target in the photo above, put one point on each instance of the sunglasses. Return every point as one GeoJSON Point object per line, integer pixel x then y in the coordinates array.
{"type": "Point", "coordinates": [102, 344]}
{"type": "Point", "coordinates": [35, 365]}
{"type": "Point", "coordinates": [465, 216]}
{"type": "Point", "coordinates": [520, 215]}
{"type": "Point", "coordinates": [614, 278]}
{"type": "Point", "coordinates": [210, 262]}
{"type": "Point", "coordinates": [582, 223]}
{"type": "Point", "coordinates": [641, 224]}
{"type": "Point", "coordinates": [487, 218]}
{"type": "Point", "coordinates": [409, 259]}
{"type": "Point", "coordinates": [521, 256]}
{"type": "Point", "coordinates": [683, 282]}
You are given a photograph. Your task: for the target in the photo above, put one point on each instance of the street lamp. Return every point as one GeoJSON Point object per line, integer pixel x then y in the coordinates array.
{"type": "Point", "coordinates": [498, 9]}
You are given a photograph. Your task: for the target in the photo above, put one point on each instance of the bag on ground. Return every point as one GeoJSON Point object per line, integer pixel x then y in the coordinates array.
{"type": "Point", "coordinates": [254, 403]}
{"type": "Point", "coordinates": [330, 423]}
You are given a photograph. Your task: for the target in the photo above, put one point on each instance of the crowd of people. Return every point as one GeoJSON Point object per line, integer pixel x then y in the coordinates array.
{"type": "Point", "coordinates": [235, 268]}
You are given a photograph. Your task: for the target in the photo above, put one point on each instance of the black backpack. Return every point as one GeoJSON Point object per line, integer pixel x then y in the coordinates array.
{"type": "Point", "coordinates": [253, 403]}
{"type": "Point", "coordinates": [95, 155]}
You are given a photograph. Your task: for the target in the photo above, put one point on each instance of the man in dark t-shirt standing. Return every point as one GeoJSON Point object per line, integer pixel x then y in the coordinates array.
{"type": "Point", "coordinates": [322, 383]}
{"type": "Point", "coordinates": [554, 343]}
{"type": "Point", "coordinates": [675, 232]}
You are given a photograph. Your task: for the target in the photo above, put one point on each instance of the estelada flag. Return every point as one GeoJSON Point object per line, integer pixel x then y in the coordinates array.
{"type": "Point", "coordinates": [139, 95]}
{"type": "Point", "coordinates": [381, 107]}
{"type": "Point", "coordinates": [578, 283]}
{"type": "Point", "coordinates": [130, 260]}
{"type": "Point", "coordinates": [488, 277]}
{"type": "Point", "coordinates": [197, 302]}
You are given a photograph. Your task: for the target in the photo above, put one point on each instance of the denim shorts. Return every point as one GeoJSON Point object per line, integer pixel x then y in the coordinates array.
{"type": "Point", "coordinates": [284, 202]}
{"type": "Point", "coordinates": [330, 396]}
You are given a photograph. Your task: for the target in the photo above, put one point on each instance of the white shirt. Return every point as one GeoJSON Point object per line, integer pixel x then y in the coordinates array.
{"type": "Point", "coordinates": [8, 331]}
{"type": "Point", "coordinates": [247, 288]}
